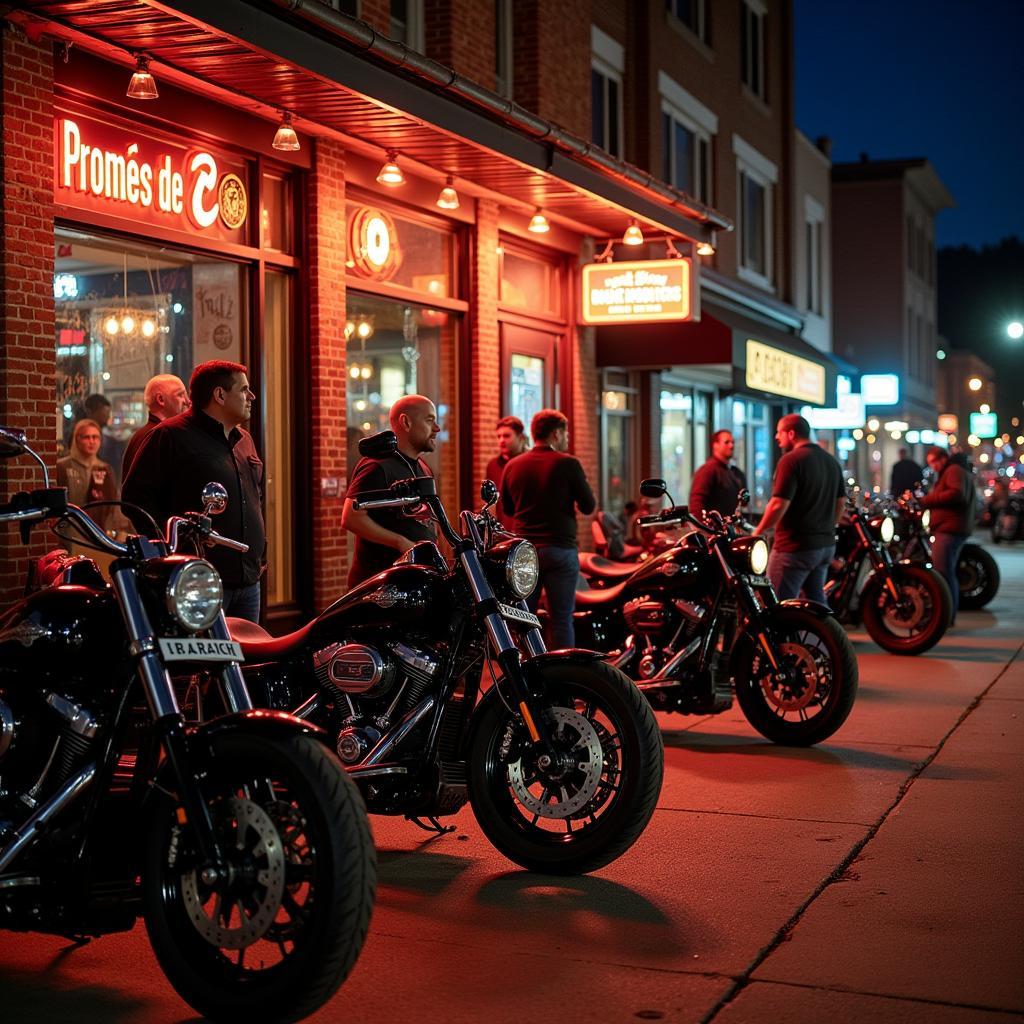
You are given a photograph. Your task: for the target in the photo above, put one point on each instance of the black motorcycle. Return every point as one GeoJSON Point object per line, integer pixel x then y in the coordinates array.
{"type": "Point", "coordinates": [976, 570]}
{"type": "Point", "coordinates": [240, 841]}
{"type": "Point", "coordinates": [1008, 521]}
{"type": "Point", "coordinates": [695, 624]}
{"type": "Point", "coordinates": [905, 606]}
{"type": "Point", "coordinates": [561, 759]}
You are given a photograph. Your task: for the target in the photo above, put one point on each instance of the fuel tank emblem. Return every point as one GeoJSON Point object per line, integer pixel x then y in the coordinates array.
{"type": "Point", "coordinates": [388, 596]}
{"type": "Point", "coordinates": [26, 633]}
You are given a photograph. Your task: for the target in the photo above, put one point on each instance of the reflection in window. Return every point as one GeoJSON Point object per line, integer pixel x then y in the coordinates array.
{"type": "Point", "coordinates": [530, 283]}
{"type": "Point", "coordinates": [677, 462]}
{"type": "Point", "coordinates": [618, 482]}
{"type": "Point", "coordinates": [526, 386]}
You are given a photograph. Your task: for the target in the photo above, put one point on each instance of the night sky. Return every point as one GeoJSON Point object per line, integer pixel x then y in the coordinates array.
{"type": "Point", "coordinates": [941, 79]}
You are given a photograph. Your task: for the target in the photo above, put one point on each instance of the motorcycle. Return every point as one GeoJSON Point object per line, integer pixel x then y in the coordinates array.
{"type": "Point", "coordinates": [561, 758]}
{"type": "Point", "coordinates": [905, 606]}
{"type": "Point", "coordinates": [701, 621]}
{"type": "Point", "coordinates": [1008, 521]}
{"type": "Point", "coordinates": [976, 570]}
{"type": "Point", "coordinates": [240, 841]}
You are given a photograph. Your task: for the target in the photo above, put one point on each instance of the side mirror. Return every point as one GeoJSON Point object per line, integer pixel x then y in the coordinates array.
{"type": "Point", "coordinates": [743, 498]}
{"type": "Point", "coordinates": [215, 498]}
{"type": "Point", "coordinates": [489, 493]}
{"type": "Point", "coordinates": [653, 488]}
{"type": "Point", "coordinates": [12, 442]}
{"type": "Point", "coordinates": [378, 445]}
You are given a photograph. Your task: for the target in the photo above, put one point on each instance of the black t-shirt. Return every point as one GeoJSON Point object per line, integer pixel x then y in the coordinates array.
{"type": "Point", "coordinates": [811, 480]}
{"type": "Point", "coordinates": [375, 475]}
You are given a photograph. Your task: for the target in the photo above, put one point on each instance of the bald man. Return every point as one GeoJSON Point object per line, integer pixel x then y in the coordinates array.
{"type": "Point", "coordinates": [383, 534]}
{"type": "Point", "coordinates": [165, 396]}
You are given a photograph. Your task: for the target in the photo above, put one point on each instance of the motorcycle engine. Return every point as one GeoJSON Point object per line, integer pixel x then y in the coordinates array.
{"type": "Point", "coordinates": [645, 616]}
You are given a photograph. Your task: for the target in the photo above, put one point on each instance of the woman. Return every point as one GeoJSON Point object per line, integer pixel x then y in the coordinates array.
{"type": "Point", "coordinates": [89, 478]}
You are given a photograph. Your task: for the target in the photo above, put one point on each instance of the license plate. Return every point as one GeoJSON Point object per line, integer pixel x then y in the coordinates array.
{"type": "Point", "coordinates": [517, 615]}
{"type": "Point", "coordinates": [200, 649]}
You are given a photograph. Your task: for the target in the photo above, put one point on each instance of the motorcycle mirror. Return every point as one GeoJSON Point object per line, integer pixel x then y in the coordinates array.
{"type": "Point", "coordinates": [743, 498]}
{"type": "Point", "coordinates": [378, 445]}
{"type": "Point", "coordinates": [215, 498]}
{"type": "Point", "coordinates": [489, 493]}
{"type": "Point", "coordinates": [12, 442]}
{"type": "Point", "coordinates": [653, 487]}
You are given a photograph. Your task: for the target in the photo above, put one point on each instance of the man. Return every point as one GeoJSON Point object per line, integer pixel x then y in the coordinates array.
{"type": "Point", "coordinates": [384, 534]}
{"type": "Point", "coordinates": [511, 436]}
{"type": "Point", "coordinates": [184, 453]}
{"type": "Point", "coordinates": [952, 503]}
{"type": "Point", "coordinates": [906, 474]}
{"type": "Point", "coordinates": [541, 491]}
{"type": "Point", "coordinates": [808, 499]}
{"type": "Point", "coordinates": [165, 396]}
{"type": "Point", "coordinates": [717, 484]}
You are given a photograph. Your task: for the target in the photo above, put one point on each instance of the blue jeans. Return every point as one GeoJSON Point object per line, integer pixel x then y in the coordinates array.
{"type": "Point", "coordinates": [946, 548]}
{"type": "Point", "coordinates": [559, 570]}
{"type": "Point", "coordinates": [791, 571]}
{"type": "Point", "coordinates": [243, 602]}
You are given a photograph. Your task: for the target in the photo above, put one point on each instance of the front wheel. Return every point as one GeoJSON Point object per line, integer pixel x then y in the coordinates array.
{"type": "Point", "coordinates": [274, 939]}
{"type": "Point", "coordinates": [589, 806]}
{"type": "Point", "coordinates": [977, 575]}
{"type": "Point", "coordinates": [916, 618]}
{"type": "Point", "coordinates": [809, 695]}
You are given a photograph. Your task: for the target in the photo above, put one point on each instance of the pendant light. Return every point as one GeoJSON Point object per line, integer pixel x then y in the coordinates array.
{"type": "Point", "coordinates": [705, 249]}
{"type": "Point", "coordinates": [633, 235]}
{"type": "Point", "coordinates": [539, 223]}
{"type": "Point", "coordinates": [449, 198]}
{"type": "Point", "coordinates": [390, 173]}
{"type": "Point", "coordinates": [285, 137]}
{"type": "Point", "coordinates": [143, 84]}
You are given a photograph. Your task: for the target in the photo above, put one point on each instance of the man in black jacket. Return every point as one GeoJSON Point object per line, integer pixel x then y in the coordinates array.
{"type": "Point", "coordinates": [541, 490]}
{"type": "Point", "coordinates": [207, 443]}
{"type": "Point", "coordinates": [717, 484]}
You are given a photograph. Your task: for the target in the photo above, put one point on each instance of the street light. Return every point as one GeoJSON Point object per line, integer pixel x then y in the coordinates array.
{"type": "Point", "coordinates": [1015, 330]}
{"type": "Point", "coordinates": [975, 383]}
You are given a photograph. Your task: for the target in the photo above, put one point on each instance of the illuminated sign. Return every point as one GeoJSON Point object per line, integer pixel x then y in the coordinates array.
{"type": "Point", "coordinates": [121, 172]}
{"type": "Point", "coordinates": [373, 244]}
{"type": "Point", "coordinates": [984, 424]}
{"type": "Point", "coordinates": [880, 388]}
{"type": "Point", "coordinates": [949, 422]}
{"type": "Point", "coordinates": [847, 413]}
{"type": "Point", "coordinates": [781, 373]}
{"type": "Point", "coordinates": [641, 292]}
{"type": "Point", "coordinates": [65, 286]}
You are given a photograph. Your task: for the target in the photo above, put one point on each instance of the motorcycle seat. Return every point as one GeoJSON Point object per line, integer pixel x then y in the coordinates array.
{"type": "Point", "coordinates": [595, 598]}
{"type": "Point", "coordinates": [605, 568]}
{"type": "Point", "coordinates": [258, 645]}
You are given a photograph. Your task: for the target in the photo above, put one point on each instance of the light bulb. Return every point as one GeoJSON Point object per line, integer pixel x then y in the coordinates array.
{"type": "Point", "coordinates": [148, 328]}
{"type": "Point", "coordinates": [285, 137]}
{"type": "Point", "coordinates": [128, 324]}
{"type": "Point", "coordinates": [143, 84]}
{"type": "Point", "coordinates": [633, 235]}
{"type": "Point", "coordinates": [111, 325]}
{"type": "Point", "coordinates": [539, 223]}
{"type": "Point", "coordinates": [390, 173]}
{"type": "Point", "coordinates": [448, 198]}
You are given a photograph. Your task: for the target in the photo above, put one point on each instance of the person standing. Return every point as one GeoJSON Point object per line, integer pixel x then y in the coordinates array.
{"type": "Point", "coordinates": [808, 499]}
{"type": "Point", "coordinates": [383, 534]}
{"type": "Point", "coordinates": [205, 443]}
{"type": "Point", "coordinates": [906, 474]}
{"type": "Point", "coordinates": [511, 437]}
{"type": "Point", "coordinates": [86, 476]}
{"type": "Point", "coordinates": [541, 491]}
{"type": "Point", "coordinates": [717, 484]}
{"type": "Point", "coordinates": [951, 500]}
{"type": "Point", "coordinates": [165, 396]}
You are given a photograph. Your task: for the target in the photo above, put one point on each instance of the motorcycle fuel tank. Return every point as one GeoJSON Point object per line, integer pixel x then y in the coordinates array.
{"type": "Point", "coordinates": [680, 568]}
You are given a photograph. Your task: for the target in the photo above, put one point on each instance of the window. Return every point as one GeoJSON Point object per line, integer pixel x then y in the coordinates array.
{"type": "Point", "coordinates": [692, 13]}
{"type": "Point", "coordinates": [687, 128]}
{"type": "Point", "coordinates": [755, 178]}
{"type": "Point", "coordinates": [530, 283]}
{"type": "Point", "coordinates": [753, 449]}
{"type": "Point", "coordinates": [407, 23]}
{"type": "Point", "coordinates": [752, 15]}
{"type": "Point", "coordinates": [503, 48]}
{"type": "Point", "coordinates": [606, 70]}
{"type": "Point", "coordinates": [814, 255]}
{"type": "Point", "coordinates": [618, 402]}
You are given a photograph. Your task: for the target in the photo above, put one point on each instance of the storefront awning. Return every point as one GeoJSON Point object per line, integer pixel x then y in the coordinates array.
{"type": "Point", "coordinates": [340, 78]}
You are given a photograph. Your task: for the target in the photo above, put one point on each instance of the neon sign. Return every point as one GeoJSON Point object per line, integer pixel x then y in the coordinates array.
{"type": "Point", "coordinates": [638, 292]}
{"type": "Point", "coordinates": [373, 244]}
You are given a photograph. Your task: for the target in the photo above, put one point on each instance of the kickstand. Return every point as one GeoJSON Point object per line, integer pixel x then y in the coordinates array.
{"type": "Point", "coordinates": [431, 825]}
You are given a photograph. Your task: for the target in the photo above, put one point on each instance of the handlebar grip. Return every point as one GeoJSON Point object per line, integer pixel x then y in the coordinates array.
{"type": "Point", "coordinates": [227, 542]}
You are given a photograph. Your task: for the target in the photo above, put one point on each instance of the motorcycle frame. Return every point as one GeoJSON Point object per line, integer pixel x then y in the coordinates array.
{"type": "Point", "coordinates": [845, 589]}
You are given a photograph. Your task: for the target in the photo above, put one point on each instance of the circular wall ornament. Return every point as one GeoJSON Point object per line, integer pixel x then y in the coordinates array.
{"type": "Point", "coordinates": [373, 244]}
{"type": "Point", "coordinates": [234, 203]}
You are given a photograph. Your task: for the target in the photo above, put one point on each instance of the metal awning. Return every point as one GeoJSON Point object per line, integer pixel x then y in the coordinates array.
{"type": "Point", "coordinates": [263, 58]}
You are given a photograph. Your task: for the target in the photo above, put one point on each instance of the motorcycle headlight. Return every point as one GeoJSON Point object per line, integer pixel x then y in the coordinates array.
{"type": "Point", "coordinates": [195, 595]}
{"type": "Point", "coordinates": [759, 556]}
{"type": "Point", "coordinates": [887, 529]}
{"type": "Point", "coordinates": [749, 554]}
{"type": "Point", "coordinates": [926, 520]}
{"type": "Point", "coordinates": [522, 569]}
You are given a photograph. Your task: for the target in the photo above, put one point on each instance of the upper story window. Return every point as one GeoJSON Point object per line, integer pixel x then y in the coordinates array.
{"type": "Point", "coordinates": [752, 18]}
{"type": "Point", "coordinates": [756, 179]}
{"type": "Point", "coordinates": [692, 13]}
{"type": "Point", "coordinates": [606, 70]}
{"type": "Point", "coordinates": [687, 128]}
{"type": "Point", "coordinates": [814, 255]}
{"type": "Point", "coordinates": [407, 23]}
{"type": "Point", "coordinates": [503, 48]}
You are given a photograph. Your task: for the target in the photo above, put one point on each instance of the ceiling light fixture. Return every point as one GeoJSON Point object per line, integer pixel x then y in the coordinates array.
{"type": "Point", "coordinates": [539, 223]}
{"type": "Point", "coordinates": [285, 137]}
{"type": "Point", "coordinates": [705, 249]}
{"type": "Point", "coordinates": [449, 198]}
{"type": "Point", "coordinates": [390, 173]}
{"type": "Point", "coordinates": [143, 84]}
{"type": "Point", "coordinates": [633, 235]}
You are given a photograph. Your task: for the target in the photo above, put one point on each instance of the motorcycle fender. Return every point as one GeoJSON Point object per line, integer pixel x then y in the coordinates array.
{"type": "Point", "coordinates": [259, 721]}
{"type": "Point", "coordinates": [822, 611]}
{"type": "Point", "coordinates": [566, 654]}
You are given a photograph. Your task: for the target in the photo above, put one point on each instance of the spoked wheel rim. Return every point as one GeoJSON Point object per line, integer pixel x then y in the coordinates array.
{"type": "Point", "coordinates": [800, 691]}
{"type": "Point", "coordinates": [912, 614]}
{"type": "Point", "coordinates": [971, 576]}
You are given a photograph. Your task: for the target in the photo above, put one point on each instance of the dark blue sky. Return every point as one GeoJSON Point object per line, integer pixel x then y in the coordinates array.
{"type": "Point", "coordinates": [906, 78]}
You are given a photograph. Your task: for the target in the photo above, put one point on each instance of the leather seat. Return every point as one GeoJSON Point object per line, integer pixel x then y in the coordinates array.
{"type": "Point", "coordinates": [595, 598]}
{"type": "Point", "coordinates": [605, 568]}
{"type": "Point", "coordinates": [258, 645]}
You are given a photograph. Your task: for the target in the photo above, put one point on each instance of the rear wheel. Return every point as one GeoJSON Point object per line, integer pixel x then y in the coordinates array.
{"type": "Point", "coordinates": [916, 618]}
{"type": "Point", "coordinates": [977, 575]}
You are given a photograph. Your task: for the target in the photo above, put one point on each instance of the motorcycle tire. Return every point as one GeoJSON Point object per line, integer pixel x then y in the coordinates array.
{"type": "Point", "coordinates": [295, 825]}
{"type": "Point", "coordinates": [809, 710]}
{"type": "Point", "coordinates": [606, 797]}
{"type": "Point", "coordinates": [977, 576]}
{"type": "Point", "coordinates": [897, 631]}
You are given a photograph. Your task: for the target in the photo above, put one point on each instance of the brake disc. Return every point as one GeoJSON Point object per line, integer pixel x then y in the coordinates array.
{"type": "Point", "coordinates": [912, 600]}
{"type": "Point", "coordinates": [785, 696]}
{"type": "Point", "coordinates": [582, 782]}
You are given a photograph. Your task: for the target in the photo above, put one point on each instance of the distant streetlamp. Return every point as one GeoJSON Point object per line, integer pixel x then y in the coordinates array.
{"type": "Point", "coordinates": [975, 383]}
{"type": "Point", "coordinates": [1015, 330]}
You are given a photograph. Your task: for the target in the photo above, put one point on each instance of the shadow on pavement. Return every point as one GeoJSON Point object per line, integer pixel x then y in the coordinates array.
{"type": "Point", "coordinates": [28, 997]}
{"type": "Point", "coordinates": [419, 871]}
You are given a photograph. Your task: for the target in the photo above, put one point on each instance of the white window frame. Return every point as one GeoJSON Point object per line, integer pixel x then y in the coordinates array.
{"type": "Point", "coordinates": [755, 9]}
{"type": "Point", "coordinates": [814, 218]}
{"type": "Point", "coordinates": [503, 49]}
{"type": "Point", "coordinates": [414, 28]}
{"type": "Point", "coordinates": [751, 164]}
{"type": "Point", "coordinates": [697, 119]}
{"type": "Point", "coordinates": [700, 30]}
{"type": "Point", "coordinates": [608, 59]}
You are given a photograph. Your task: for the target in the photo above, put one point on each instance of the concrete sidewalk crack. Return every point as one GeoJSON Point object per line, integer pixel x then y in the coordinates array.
{"type": "Point", "coordinates": [780, 936]}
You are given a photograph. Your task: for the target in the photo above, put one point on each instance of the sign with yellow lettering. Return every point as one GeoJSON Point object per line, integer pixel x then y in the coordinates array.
{"type": "Point", "coordinates": [640, 292]}
{"type": "Point", "coordinates": [781, 373]}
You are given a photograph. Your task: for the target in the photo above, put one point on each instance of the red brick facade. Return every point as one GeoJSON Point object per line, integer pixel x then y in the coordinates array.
{"type": "Point", "coordinates": [460, 34]}
{"type": "Point", "coordinates": [26, 281]}
{"type": "Point", "coordinates": [485, 359]}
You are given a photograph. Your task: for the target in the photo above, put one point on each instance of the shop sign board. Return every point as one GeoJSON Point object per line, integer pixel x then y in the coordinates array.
{"type": "Point", "coordinates": [880, 388]}
{"type": "Point", "coordinates": [645, 291]}
{"type": "Point", "coordinates": [847, 413]}
{"type": "Point", "coordinates": [123, 172]}
{"type": "Point", "coordinates": [984, 424]}
{"type": "Point", "coordinates": [779, 372]}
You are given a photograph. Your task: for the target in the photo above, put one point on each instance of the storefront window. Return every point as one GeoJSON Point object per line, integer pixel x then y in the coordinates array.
{"type": "Point", "coordinates": [618, 401]}
{"type": "Point", "coordinates": [677, 461]}
{"type": "Point", "coordinates": [753, 451]}
{"type": "Point", "coordinates": [526, 386]}
{"type": "Point", "coordinates": [530, 283]}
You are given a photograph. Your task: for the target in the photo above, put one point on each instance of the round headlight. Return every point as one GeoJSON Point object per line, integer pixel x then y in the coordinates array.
{"type": "Point", "coordinates": [886, 529]}
{"type": "Point", "coordinates": [194, 595]}
{"type": "Point", "coordinates": [926, 520]}
{"type": "Point", "coordinates": [522, 569]}
{"type": "Point", "coordinates": [759, 556]}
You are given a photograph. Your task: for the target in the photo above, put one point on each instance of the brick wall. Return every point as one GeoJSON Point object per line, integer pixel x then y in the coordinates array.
{"type": "Point", "coordinates": [460, 34]}
{"type": "Point", "coordinates": [27, 355]}
{"type": "Point", "coordinates": [485, 347]}
{"type": "Point", "coordinates": [376, 13]}
{"type": "Point", "coordinates": [327, 246]}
